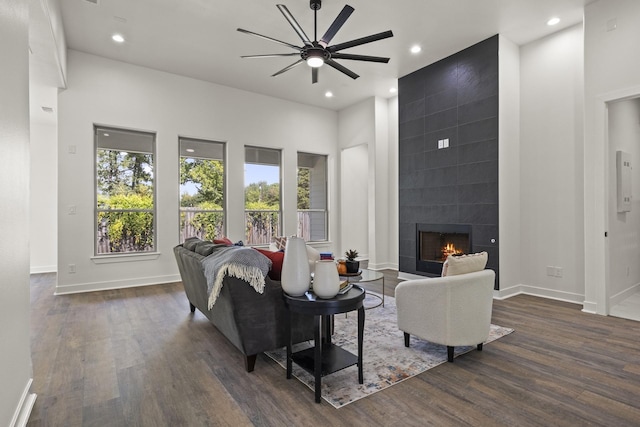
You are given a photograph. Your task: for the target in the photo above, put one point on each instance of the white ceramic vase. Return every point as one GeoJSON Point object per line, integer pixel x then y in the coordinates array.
{"type": "Point", "coordinates": [326, 282]}
{"type": "Point", "coordinates": [295, 277]}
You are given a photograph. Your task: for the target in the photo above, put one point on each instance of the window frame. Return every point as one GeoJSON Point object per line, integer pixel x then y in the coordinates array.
{"type": "Point", "coordinates": [97, 210]}
{"type": "Point", "coordinates": [277, 230]}
{"type": "Point", "coordinates": [325, 157]}
{"type": "Point", "coordinates": [223, 145]}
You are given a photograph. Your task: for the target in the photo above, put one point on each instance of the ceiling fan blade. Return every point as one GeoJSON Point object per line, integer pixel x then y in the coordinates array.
{"type": "Point", "coordinates": [360, 41]}
{"type": "Point", "coordinates": [269, 38]}
{"type": "Point", "coordinates": [336, 25]}
{"type": "Point", "coordinates": [359, 57]}
{"type": "Point", "coordinates": [342, 69]}
{"type": "Point", "coordinates": [270, 55]}
{"type": "Point", "coordinates": [298, 62]}
{"type": "Point", "coordinates": [314, 75]}
{"type": "Point", "coordinates": [297, 28]}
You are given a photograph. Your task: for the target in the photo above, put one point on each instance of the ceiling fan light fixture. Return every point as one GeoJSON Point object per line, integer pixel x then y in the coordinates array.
{"type": "Point", "coordinates": [315, 62]}
{"type": "Point", "coordinates": [315, 57]}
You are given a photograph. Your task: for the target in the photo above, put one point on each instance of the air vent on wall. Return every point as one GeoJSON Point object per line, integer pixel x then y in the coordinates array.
{"type": "Point", "coordinates": [92, 1]}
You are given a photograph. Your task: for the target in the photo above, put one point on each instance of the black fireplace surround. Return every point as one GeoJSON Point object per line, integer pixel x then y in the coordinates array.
{"type": "Point", "coordinates": [436, 241]}
{"type": "Point", "coordinates": [454, 100]}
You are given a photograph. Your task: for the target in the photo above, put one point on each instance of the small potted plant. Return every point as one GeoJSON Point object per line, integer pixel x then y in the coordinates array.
{"type": "Point", "coordinates": [353, 266]}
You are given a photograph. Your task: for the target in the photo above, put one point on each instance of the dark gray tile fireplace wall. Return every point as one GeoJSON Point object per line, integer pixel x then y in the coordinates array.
{"type": "Point", "coordinates": [455, 99]}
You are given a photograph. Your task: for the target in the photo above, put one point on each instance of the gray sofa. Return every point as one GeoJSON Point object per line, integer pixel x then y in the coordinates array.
{"type": "Point", "coordinates": [253, 322]}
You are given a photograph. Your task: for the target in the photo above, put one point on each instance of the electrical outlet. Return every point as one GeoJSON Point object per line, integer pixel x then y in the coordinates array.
{"type": "Point", "coordinates": [558, 271]}
{"type": "Point", "coordinates": [72, 268]}
{"type": "Point", "coordinates": [550, 271]}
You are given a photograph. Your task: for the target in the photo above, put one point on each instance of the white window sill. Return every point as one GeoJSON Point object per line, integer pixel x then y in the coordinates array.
{"type": "Point", "coordinates": [110, 259]}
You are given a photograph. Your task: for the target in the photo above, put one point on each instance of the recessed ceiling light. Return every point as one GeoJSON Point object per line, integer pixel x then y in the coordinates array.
{"type": "Point", "coordinates": [415, 49]}
{"type": "Point", "coordinates": [328, 94]}
{"type": "Point", "coordinates": [393, 90]}
{"type": "Point", "coordinates": [105, 134]}
{"type": "Point", "coordinates": [118, 38]}
{"type": "Point", "coordinates": [190, 150]}
{"type": "Point", "coordinates": [553, 21]}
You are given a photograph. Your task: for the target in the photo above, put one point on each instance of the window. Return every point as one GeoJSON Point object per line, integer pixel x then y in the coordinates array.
{"type": "Point", "coordinates": [261, 195]}
{"type": "Point", "coordinates": [125, 191]}
{"type": "Point", "coordinates": [312, 197]}
{"type": "Point", "coordinates": [202, 184]}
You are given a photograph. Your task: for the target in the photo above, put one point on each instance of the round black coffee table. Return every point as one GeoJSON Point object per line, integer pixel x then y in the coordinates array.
{"type": "Point", "coordinates": [324, 357]}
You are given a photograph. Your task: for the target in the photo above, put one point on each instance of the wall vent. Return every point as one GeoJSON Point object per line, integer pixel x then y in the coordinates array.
{"type": "Point", "coordinates": [92, 1]}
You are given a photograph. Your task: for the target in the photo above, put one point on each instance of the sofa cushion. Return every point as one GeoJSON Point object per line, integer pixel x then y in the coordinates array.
{"type": "Point", "coordinates": [280, 242]}
{"type": "Point", "coordinates": [463, 264]}
{"type": "Point", "coordinates": [190, 243]}
{"type": "Point", "coordinates": [206, 248]}
{"type": "Point", "coordinates": [223, 241]}
{"type": "Point", "coordinates": [275, 273]}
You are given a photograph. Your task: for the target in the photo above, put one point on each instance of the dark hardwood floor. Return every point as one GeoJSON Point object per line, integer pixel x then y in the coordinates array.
{"type": "Point", "coordinates": [138, 357]}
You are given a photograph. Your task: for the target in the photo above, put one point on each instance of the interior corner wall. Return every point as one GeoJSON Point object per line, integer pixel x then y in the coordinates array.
{"type": "Point", "coordinates": [551, 153]}
{"type": "Point", "coordinates": [392, 201]}
{"type": "Point", "coordinates": [106, 92]}
{"type": "Point", "coordinates": [356, 127]}
{"type": "Point", "coordinates": [611, 72]}
{"type": "Point", "coordinates": [44, 184]}
{"type": "Point", "coordinates": [624, 227]}
{"type": "Point", "coordinates": [509, 227]}
{"type": "Point", "coordinates": [15, 356]}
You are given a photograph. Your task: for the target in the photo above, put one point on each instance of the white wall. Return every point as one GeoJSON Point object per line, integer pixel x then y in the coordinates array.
{"type": "Point", "coordinates": [15, 353]}
{"type": "Point", "coordinates": [356, 126]}
{"type": "Point", "coordinates": [393, 251]}
{"type": "Point", "coordinates": [112, 93]}
{"type": "Point", "coordinates": [43, 199]}
{"type": "Point", "coordinates": [611, 72]}
{"type": "Point", "coordinates": [551, 151]}
{"type": "Point", "coordinates": [371, 229]}
{"type": "Point", "coordinates": [624, 227]}
{"type": "Point", "coordinates": [509, 220]}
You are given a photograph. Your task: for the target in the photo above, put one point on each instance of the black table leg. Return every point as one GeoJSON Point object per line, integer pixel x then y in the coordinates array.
{"type": "Point", "coordinates": [326, 321]}
{"type": "Point", "coordinates": [317, 356]}
{"type": "Point", "coordinates": [289, 343]}
{"type": "Point", "coordinates": [360, 339]}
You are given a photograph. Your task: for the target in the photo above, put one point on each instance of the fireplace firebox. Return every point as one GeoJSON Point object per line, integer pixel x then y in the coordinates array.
{"type": "Point", "coordinates": [435, 242]}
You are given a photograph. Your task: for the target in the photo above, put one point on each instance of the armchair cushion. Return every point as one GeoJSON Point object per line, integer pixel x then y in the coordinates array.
{"type": "Point", "coordinates": [464, 264]}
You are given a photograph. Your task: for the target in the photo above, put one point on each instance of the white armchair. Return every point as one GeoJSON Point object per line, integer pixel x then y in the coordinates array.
{"type": "Point", "coordinates": [452, 310]}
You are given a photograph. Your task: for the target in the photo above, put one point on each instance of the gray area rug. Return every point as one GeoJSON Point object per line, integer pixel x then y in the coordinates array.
{"type": "Point", "coordinates": [386, 360]}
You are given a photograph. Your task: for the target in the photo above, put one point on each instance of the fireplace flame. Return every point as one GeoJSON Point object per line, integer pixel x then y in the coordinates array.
{"type": "Point", "coordinates": [450, 249]}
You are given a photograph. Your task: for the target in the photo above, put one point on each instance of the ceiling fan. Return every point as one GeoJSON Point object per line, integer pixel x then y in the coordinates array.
{"type": "Point", "coordinates": [318, 52]}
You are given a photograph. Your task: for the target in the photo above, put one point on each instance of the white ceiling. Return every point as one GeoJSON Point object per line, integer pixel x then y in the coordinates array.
{"type": "Point", "coordinates": [198, 38]}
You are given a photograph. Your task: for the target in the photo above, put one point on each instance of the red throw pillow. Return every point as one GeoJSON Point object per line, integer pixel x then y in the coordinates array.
{"type": "Point", "coordinates": [276, 262]}
{"type": "Point", "coordinates": [223, 241]}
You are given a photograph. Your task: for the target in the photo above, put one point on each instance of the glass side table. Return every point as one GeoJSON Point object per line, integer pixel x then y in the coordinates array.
{"type": "Point", "coordinates": [365, 276]}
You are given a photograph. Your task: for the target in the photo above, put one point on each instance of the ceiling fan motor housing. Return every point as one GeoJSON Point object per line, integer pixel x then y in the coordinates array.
{"type": "Point", "coordinates": [315, 4]}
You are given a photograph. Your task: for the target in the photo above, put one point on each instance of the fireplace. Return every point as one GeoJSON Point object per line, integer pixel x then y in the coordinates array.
{"type": "Point", "coordinates": [435, 242]}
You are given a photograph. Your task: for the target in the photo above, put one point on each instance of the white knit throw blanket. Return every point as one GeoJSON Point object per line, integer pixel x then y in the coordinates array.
{"type": "Point", "coordinates": [235, 261]}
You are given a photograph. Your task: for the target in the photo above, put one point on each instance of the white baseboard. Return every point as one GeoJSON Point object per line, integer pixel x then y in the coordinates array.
{"type": "Point", "coordinates": [43, 269]}
{"type": "Point", "coordinates": [383, 266]}
{"type": "Point", "coordinates": [538, 292]}
{"type": "Point", "coordinates": [115, 284]}
{"type": "Point", "coordinates": [621, 296]}
{"type": "Point", "coordinates": [23, 411]}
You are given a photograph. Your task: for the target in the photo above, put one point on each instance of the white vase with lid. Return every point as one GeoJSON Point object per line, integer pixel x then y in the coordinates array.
{"type": "Point", "coordinates": [296, 275]}
{"type": "Point", "coordinates": [326, 282]}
